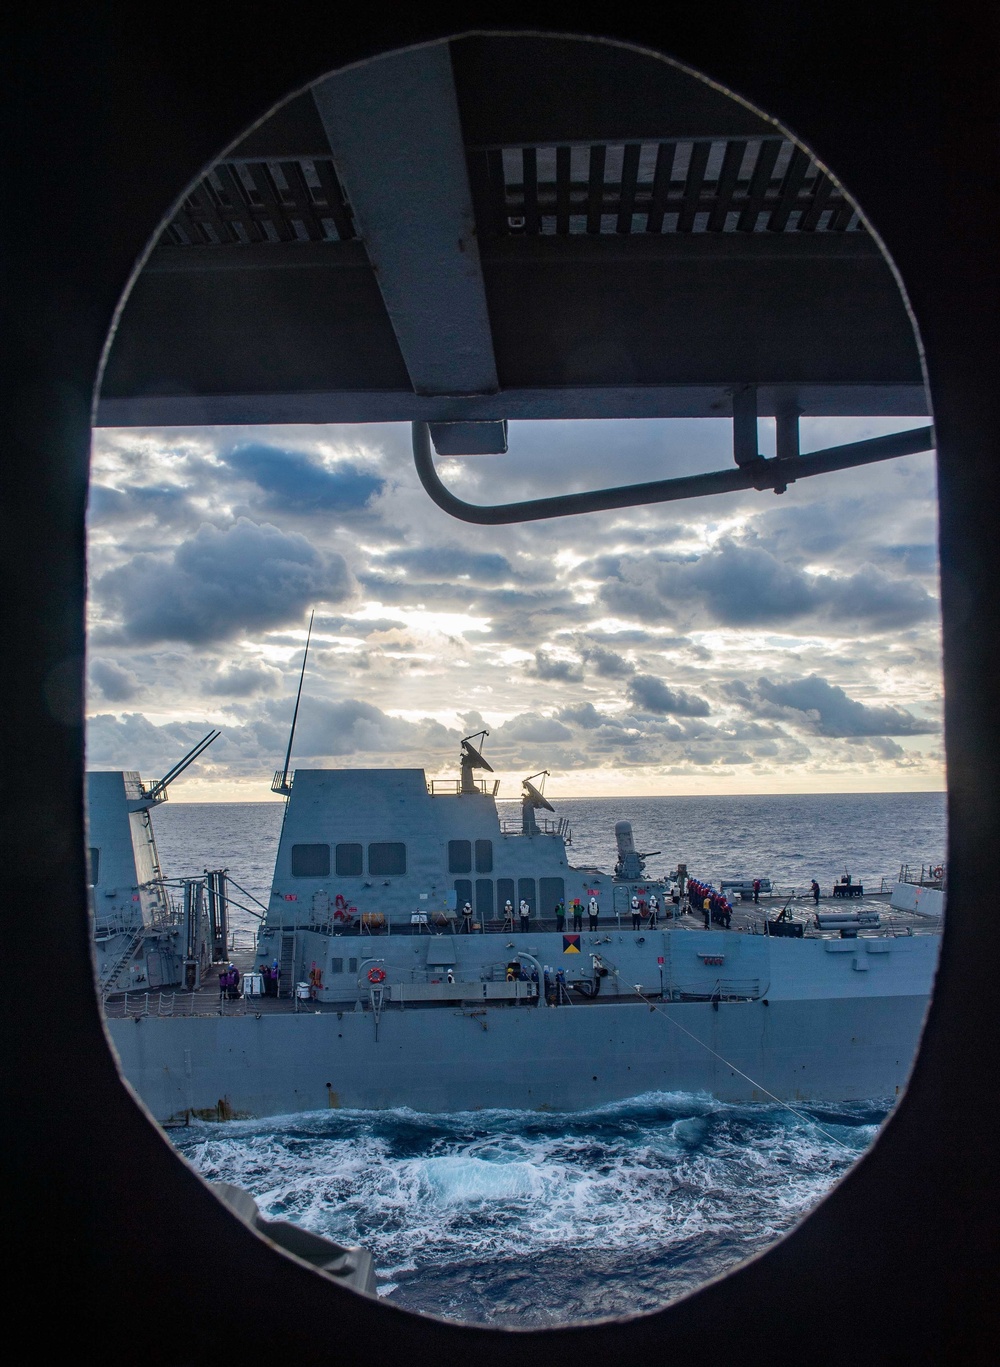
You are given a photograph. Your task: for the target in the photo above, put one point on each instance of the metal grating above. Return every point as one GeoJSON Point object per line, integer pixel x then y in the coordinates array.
{"type": "Point", "coordinates": [292, 200]}
{"type": "Point", "coordinates": [736, 185]}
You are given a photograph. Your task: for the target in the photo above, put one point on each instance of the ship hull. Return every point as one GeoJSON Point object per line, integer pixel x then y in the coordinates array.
{"type": "Point", "coordinates": [530, 1058]}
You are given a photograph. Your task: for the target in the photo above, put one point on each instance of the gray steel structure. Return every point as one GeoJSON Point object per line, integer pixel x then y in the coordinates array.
{"type": "Point", "coordinates": [373, 870]}
{"type": "Point", "coordinates": [494, 229]}
{"type": "Point", "coordinates": [129, 904]}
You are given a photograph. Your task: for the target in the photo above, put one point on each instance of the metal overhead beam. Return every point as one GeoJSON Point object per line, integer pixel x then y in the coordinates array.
{"type": "Point", "coordinates": [396, 138]}
{"type": "Point", "coordinates": [298, 331]}
{"type": "Point", "coordinates": [635, 249]}
{"type": "Point", "coordinates": [591, 401]}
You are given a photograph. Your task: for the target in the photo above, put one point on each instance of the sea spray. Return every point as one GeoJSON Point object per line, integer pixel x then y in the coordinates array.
{"type": "Point", "coordinates": [516, 1218]}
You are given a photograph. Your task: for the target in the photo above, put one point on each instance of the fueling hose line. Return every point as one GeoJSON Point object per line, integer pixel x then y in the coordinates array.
{"type": "Point", "coordinates": [753, 1083]}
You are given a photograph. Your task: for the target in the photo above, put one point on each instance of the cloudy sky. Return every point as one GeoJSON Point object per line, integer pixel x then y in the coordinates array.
{"type": "Point", "coordinates": [743, 643]}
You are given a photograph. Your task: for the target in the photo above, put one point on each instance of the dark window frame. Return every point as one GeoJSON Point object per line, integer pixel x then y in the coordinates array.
{"type": "Point", "coordinates": [359, 860]}
{"type": "Point", "coordinates": [392, 867]}
{"type": "Point", "coordinates": [484, 900]}
{"type": "Point", "coordinates": [459, 856]}
{"type": "Point", "coordinates": [546, 900]}
{"type": "Point", "coordinates": [297, 860]}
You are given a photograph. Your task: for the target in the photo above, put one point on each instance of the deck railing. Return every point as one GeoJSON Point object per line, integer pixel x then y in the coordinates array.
{"type": "Point", "coordinates": [169, 1004]}
{"type": "Point", "coordinates": [513, 826]}
{"type": "Point", "coordinates": [438, 787]}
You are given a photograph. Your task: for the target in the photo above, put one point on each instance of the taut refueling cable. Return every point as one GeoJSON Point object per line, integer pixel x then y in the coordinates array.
{"type": "Point", "coordinates": [753, 1083]}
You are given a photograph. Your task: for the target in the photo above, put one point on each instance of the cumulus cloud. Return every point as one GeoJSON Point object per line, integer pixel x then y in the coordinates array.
{"type": "Point", "coordinates": [243, 680]}
{"type": "Point", "coordinates": [294, 482]}
{"type": "Point", "coordinates": [347, 626]}
{"type": "Point", "coordinates": [352, 726]}
{"type": "Point", "coordinates": [132, 741]}
{"type": "Point", "coordinates": [449, 563]}
{"type": "Point", "coordinates": [650, 694]}
{"type": "Point", "coordinates": [162, 503]}
{"type": "Point", "coordinates": [881, 747]}
{"type": "Point", "coordinates": [558, 669]}
{"type": "Point", "coordinates": [244, 579]}
{"type": "Point", "coordinates": [531, 726]}
{"type": "Point", "coordinates": [608, 663]}
{"type": "Point", "coordinates": [637, 654]}
{"type": "Point", "coordinates": [740, 585]}
{"type": "Point", "coordinates": [585, 714]}
{"type": "Point", "coordinates": [116, 684]}
{"type": "Point", "coordinates": [255, 742]}
{"type": "Point", "coordinates": [828, 710]}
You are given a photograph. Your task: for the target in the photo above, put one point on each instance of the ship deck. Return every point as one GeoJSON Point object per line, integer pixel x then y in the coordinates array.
{"type": "Point", "coordinates": [747, 919]}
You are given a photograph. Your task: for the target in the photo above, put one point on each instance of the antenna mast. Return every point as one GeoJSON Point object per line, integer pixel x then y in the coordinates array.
{"type": "Point", "coordinates": [471, 758]}
{"type": "Point", "coordinates": [280, 783]}
{"type": "Point", "coordinates": [531, 799]}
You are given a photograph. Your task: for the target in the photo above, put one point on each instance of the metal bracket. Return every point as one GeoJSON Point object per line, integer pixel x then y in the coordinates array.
{"type": "Point", "coordinates": [752, 473]}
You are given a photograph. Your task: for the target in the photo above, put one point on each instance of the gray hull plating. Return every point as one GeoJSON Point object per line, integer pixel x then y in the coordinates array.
{"type": "Point", "coordinates": [833, 1020]}
{"type": "Point", "coordinates": [527, 1058]}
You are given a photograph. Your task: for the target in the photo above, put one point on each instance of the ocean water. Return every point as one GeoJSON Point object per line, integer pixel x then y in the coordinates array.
{"type": "Point", "coordinates": [519, 1219]}
{"type": "Point", "coordinates": [789, 839]}
{"type": "Point", "coordinates": [527, 1219]}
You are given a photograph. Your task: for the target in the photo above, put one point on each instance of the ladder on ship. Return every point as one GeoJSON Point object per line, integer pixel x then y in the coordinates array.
{"type": "Point", "coordinates": [666, 967]}
{"type": "Point", "coordinates": [109, 982]}
{"type": "Point", "coordinates": [286, 982]}
{"type": "Point", "coordinates": [147, 826]}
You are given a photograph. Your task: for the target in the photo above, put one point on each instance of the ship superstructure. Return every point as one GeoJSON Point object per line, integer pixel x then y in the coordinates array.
{"type": "Point", "coordinates": [147, 933]}
{"type": "Point", "coordinates": [420, 950]}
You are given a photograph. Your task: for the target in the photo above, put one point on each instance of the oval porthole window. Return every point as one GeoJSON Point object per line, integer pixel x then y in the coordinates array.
{"type": "Point", "coordinates": [513, 554]}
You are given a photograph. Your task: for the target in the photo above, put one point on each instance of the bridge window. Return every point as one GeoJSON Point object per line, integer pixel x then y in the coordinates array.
{"type": "Point", "coordinates": [349, 863]}
{"type": "Point", "coordinates": [526, 893]}
{"type": "Point", "coordinates": [484, 856]}
{"type": "Point", "coordinates": [463, 893]}
{"type": "Point", "coordinates": [388, 857]}
{"type": "Point", "coordinates": [310, 861]}
{"type": "Point", "coordinates": [550, 891]}
{"type": "Point", "coordinates": [484, 898]}
{"type": "Point", "coordinates": [93, 866]}
{"type": "Point", "coordinates": [460, 856]}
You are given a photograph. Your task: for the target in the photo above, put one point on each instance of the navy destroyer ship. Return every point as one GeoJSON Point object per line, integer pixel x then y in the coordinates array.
{"type": "Point", "coordinates": [419, 950]}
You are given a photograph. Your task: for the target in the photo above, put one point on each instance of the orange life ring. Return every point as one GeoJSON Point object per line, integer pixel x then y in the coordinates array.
{"type": "Point", "coordinates": [937, 871]}
{"type": "Point", "coordinates": [376, 975]}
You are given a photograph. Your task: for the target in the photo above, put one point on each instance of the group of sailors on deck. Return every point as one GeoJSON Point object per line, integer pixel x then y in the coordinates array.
{"type": "Point", "coordinates": [712, 904]}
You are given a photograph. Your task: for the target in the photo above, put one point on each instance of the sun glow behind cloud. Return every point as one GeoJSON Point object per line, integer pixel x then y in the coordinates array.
{"type": "Point", "coordinates": [744, 643]}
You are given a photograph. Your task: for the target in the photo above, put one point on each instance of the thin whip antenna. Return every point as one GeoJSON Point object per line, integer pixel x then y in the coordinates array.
{"type": "Point", "coordinates": [298, 699]}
